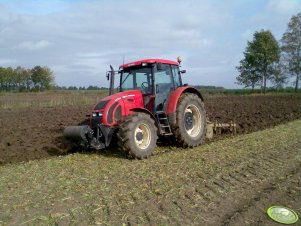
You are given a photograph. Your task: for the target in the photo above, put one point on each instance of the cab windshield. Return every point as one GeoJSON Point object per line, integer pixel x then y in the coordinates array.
{"type": "Point", "coordinates": [138, 78]}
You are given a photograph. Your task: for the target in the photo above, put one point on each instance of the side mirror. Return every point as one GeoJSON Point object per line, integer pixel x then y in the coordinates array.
{"type": "Point", "coordinates": [183, 71]}
{"type": "Point", "coordinates": [108, 75]}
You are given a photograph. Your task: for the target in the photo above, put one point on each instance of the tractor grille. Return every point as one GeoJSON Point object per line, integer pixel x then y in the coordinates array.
{"type": "Point", "coordinates": [95, 121]}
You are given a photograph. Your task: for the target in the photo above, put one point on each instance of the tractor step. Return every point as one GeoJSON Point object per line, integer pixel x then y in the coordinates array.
{"type": "Point", "coordinates": [163, 123]}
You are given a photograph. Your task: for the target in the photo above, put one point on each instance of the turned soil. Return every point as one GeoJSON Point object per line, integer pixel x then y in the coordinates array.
{"type": "Point", "coordinates": [35, 133]}
{"type": "Point", "coordinates": [231, 181]}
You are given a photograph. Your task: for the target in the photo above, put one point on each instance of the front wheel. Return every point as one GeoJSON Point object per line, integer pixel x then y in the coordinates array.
{"type": "Point", "coordinates": [138, 135]}
{"type": "Point", "coordinates": [190, 125]}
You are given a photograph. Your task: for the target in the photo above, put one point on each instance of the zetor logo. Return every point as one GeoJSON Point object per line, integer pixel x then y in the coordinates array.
{"type": "Point", "coordinates": [124, 97]}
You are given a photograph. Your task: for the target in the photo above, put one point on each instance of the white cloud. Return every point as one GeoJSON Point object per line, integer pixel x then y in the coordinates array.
{"type": "Point", "coordinates": [274, 16]}
{"type": "Point", "coordinates": [80, 39]}
{"type": "Point", "coordinates": [29, 45]}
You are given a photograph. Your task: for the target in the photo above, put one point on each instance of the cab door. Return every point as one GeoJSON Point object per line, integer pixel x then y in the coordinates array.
{"type": "Point", "coordinates": [143, 81]}
{"type": "Point", "coordinates": [163, 86]}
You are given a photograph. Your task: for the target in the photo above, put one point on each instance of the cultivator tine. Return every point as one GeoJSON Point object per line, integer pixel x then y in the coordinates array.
{"type": "Point", "coordinates": [220, 128]}
{"type": "Point", "coordinates": [209, 131]}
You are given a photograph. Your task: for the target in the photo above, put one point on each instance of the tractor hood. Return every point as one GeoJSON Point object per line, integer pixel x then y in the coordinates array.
{"type": "Point", "coordinates": [117, 106]}
{"type": "Point", "coordinates": [131, 94]}
{"type": "Point", "coordinates": [125, 95]}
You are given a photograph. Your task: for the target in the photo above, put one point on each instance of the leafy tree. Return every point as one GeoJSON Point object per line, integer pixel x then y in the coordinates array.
{"type": "Point", "coordinates": [26, 78]}
{"type": "Point", "coordinates": [291, 48]}
{"type": "Point", "coordinates": [36, 76]}
{"type": "Point", "coordinates": [93, 87]}
{"type": "Point", "coordinates": [23, 78]}
{"type": "Point", "coordinates": [2, 78]}
{"type": "Point", "coordinates": [42, 77]}
{"type": "Point", "coordinates": [48, 78]}
{"type": "Point", "coordinates": [18, 79]}
{"type": "Point", "coordinates": [72, 88]}
{"type": "Point", "coordinates": [278, 78]}
{"type": "Point", "coordinates": [9, 78]}
{"type": "Point", "coordinates": [260, 56]}
{"type": "Point", "coordinates": [248, 75]}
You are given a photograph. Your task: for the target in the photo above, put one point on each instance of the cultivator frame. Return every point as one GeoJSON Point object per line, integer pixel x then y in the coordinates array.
{"type": "Point", "coordinates": [220, 128]}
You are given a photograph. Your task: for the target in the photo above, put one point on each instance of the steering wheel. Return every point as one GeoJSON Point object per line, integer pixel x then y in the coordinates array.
{"type": "Point", "coordinates": [144, 86]}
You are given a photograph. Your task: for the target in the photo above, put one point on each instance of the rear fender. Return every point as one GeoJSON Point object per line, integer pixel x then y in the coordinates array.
{"type": "Point", "coordinates": [174, 99]}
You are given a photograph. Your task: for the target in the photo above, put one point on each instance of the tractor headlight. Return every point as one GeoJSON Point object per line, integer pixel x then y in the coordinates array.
{"type": "Point", "coordinates": [96, 114]}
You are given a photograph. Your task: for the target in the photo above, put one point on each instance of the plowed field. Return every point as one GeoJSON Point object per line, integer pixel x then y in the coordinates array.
{"type": "Point", "coordinates": [228, 182]}
{"type": "Point", "coordinates": [35, 133]}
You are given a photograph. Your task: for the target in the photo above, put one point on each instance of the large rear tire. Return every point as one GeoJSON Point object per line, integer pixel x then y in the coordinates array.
{"type": "Point", "coordinates": [190, 128]}
{"type": "Point", "coordinates": [137, 136]}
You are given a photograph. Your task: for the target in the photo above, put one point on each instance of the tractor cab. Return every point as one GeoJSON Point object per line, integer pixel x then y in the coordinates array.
{"type": "Point", "coordinates": [155, 78]}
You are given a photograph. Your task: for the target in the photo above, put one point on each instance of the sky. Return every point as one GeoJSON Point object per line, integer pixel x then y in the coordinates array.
{"type": "Point", "coordinates": [80, 39]}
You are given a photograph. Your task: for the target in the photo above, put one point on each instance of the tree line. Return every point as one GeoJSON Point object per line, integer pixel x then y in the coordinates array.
{"type": "Point", "coordinates": [266, 59]}
{"type": "Point", "coordinates": [24, 79]}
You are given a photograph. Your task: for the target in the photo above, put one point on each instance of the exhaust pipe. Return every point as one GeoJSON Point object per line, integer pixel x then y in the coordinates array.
{"type": "Point", "coordinates": [112, 79]}
{"type": "Point", "coordinates": [79, 133]}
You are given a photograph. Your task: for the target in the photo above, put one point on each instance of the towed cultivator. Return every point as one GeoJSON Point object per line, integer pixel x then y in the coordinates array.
{"type": "Point", "coordinates": [220, 128]}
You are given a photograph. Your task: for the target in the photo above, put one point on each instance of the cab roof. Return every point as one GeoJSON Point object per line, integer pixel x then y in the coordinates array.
{"type": "Point", "coordinates": [149, 61]}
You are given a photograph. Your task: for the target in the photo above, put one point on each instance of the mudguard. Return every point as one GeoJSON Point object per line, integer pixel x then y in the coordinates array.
{"type": "Point", "coordinates": [174, 98]}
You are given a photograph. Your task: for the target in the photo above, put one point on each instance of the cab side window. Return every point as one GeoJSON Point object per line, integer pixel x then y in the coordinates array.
{"type": "Point", "coordinates": [163, 86]}
{"type": "Point", "coordinates": [176, 76]}
{"type": "Point", "coordinates": [163, 76]}
{"type": "Point", "coordinates": [127, 82]}
{"type": "Point", "coordinates": [144, 82]}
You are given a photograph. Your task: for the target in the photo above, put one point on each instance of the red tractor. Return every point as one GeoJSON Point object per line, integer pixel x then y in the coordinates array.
{"type": "Point", "coordinates": [151, 102]}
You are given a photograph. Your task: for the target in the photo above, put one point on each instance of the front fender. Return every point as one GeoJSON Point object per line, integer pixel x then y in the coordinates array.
{"type": "Point", "coordinates": [144, 110]}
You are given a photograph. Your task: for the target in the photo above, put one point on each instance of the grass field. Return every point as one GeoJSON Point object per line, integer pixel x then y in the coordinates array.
{"type": "Point", "coordinates": [50, 99]}
{"type": "Point", "coordinates": [228, 182]}
{"type": "Point", "coordinates": [10, 100]}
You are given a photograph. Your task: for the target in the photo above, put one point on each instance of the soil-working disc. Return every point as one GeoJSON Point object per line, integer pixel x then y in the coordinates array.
{"type": "Point", "coordinates": [282, 214]}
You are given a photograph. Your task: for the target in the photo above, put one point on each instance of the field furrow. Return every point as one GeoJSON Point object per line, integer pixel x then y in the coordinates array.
{"type": "Point", "coordinates": [228, 182]}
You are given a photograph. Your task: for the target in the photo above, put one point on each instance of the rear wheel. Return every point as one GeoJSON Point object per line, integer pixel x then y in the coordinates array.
{"type": "Point", "coordinates": [137, 136]}
{"type": "Point", "coordinates": [190, 128]}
